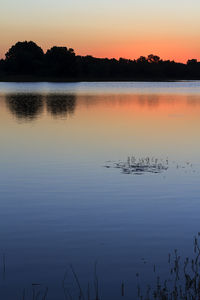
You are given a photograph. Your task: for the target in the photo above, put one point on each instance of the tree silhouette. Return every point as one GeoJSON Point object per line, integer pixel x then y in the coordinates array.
{"type": "Point", "coordinates": [60, 61]}
{"type": "Point", "coordinates": [62, 64]}
{"type": "Point", "coordinates": [192, 61]}
{"type": "Point", "coordinates": [142, 59]}
{"type": "Point", "coordinates": [153, 58]}
{"type": "Point", "coordinates": [24, 57]}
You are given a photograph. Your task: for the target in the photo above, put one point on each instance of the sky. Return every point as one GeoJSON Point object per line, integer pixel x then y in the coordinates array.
{"type": "Point", "coordinates": [105, 28]}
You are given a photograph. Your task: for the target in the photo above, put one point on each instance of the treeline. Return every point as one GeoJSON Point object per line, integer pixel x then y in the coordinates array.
{"type": "Point", "coordinates": [27, 61]}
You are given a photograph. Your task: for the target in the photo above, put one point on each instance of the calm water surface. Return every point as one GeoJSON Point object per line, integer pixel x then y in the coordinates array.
{"type": "Point", "coordinates": [59, 205]}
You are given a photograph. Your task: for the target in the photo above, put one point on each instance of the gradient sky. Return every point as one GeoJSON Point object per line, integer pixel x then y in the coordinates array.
{"type": "Point", "coordinates": [105, 28]}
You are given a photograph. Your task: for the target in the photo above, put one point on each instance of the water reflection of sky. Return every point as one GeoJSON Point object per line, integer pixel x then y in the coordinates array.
{"type": "Point", "coordinates": [179, 87]}
{"type": "Point", "coordinates": [59, 205]}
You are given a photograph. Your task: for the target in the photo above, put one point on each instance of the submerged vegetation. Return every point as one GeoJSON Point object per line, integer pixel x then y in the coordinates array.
{"type": "Point", "coordinates": [26, 61]}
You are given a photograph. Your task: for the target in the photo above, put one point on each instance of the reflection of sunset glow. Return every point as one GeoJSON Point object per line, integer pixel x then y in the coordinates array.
{"type": "Point", "coordinates": [128, 104]}
{"type": "Point", "coordinates": [145, 123]}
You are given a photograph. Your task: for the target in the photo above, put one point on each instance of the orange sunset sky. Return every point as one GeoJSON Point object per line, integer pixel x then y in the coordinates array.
{"type": "Point", "coordinates": [105, 28]}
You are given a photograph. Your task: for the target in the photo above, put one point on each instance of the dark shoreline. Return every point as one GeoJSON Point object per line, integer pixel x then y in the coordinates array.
{"type": "Point", "coordinates": [21, 79]}
{"type": "Point", "coordinates": [27, 62]}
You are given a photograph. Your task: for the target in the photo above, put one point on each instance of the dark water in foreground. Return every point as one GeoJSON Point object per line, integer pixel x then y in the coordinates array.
{"type": "Point", "coordinates": [59, 205]}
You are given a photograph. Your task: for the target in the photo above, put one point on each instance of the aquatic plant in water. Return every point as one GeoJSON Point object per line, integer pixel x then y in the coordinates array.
{"type": "Point", "coordinates": [145, 165]}
{"type": "Point", "coordinates": [141, 165]}
{"type": "Point", "coordinates": [181, 283]}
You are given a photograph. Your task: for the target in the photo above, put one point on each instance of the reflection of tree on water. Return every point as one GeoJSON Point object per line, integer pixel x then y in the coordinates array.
{"type": "Point", "coordinates": [29, 106]}
{"type": "Point", "coordinates": [25, 106]}
{"type": "Point", "coordinates": [61, 105]}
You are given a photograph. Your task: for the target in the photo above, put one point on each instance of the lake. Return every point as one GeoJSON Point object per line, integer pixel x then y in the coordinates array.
{"type": "Point", "coordinates": [63, 200]}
